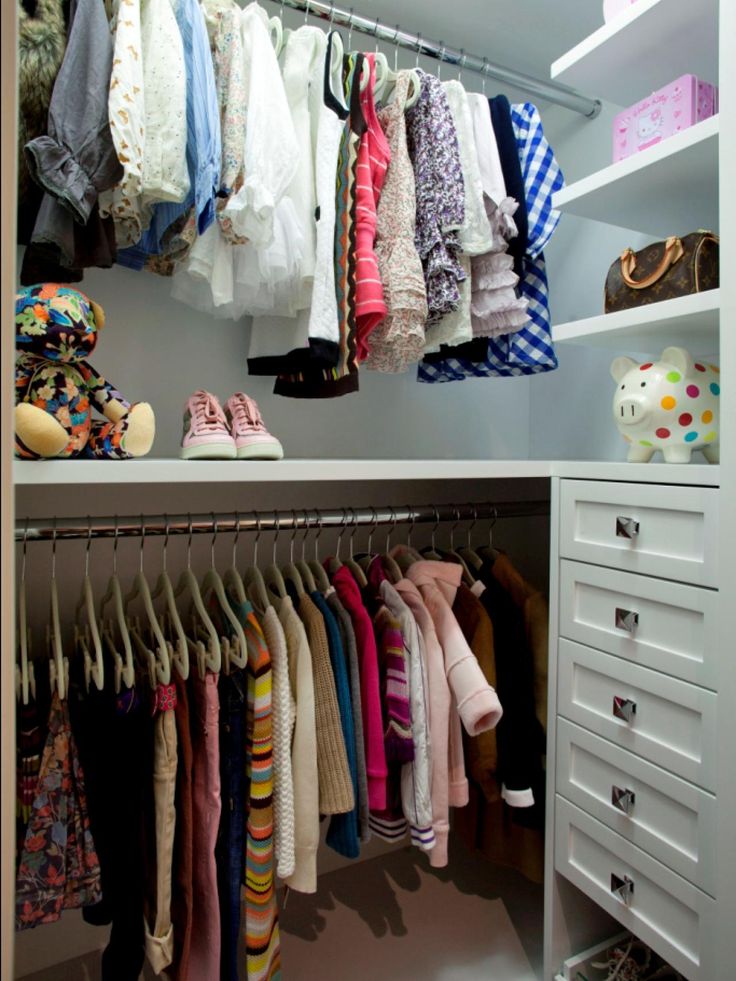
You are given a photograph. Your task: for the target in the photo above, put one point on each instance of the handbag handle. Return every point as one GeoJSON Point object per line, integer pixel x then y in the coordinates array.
{"type": "Point", "coordinates": [673, 251]}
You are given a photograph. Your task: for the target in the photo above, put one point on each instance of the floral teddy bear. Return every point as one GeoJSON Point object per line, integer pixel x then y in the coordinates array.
{"type": "Point", "coordinates": [55, 387]}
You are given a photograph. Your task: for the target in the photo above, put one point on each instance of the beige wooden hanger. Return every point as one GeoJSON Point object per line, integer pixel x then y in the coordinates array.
{"type": "Point", "coordinates": [201, 619]}
{"type": "Point", "coordinates": [164, 587]}
{"type": "Point", "coordinates": [89, 633]}
{"type": "Point", "coordinates": [25, 674]}
{"type": "Point", "coordinates": [123, 663]}
{"type": "Point", "coordinates": [237, 651]}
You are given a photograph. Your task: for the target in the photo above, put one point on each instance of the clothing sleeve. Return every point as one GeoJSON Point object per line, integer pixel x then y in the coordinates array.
{"type": "Point", "coordinates": [271, 148]}
{"type": "Point", "coordinates": [77, 158]}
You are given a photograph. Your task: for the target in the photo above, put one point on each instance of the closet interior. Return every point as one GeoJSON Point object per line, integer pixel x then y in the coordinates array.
{"type": "Point", "coordinates": [620, 574]}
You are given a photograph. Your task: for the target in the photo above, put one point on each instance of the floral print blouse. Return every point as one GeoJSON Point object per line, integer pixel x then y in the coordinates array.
{"type": "Point", "coordinates": [438, 172]}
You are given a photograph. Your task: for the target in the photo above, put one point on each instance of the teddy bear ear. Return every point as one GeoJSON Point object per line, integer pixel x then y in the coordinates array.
{"type": "Point", "coordinates": [99, 314]}
{"type": "Point", "coordinates": [620, 367]}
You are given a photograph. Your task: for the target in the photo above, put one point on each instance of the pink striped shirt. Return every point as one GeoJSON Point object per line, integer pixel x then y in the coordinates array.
{"type": "Point", "coordinates": [374, 156]}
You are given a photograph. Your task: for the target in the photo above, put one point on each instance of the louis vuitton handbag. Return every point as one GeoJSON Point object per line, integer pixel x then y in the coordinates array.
{"type": "Point", "coordinates": [662, 271]}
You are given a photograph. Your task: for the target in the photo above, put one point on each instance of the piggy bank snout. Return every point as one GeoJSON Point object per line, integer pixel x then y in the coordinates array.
{"type": "Point", "coordinates": [629, 411]}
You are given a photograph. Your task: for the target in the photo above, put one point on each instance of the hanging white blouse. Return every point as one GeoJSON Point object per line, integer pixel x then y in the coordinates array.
{"type": "Point", "coordinates": [127, 114]}
{"type": "Point", "coordinates": [476, 237]}
{"type": "Point", "coordinates": [165, 174]}
{"type": "Point", "coordinates": [271, 149]}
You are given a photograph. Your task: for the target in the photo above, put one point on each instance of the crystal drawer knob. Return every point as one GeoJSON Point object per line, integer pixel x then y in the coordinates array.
{"type": "Point", "coordinates": [623, 708]}
{"type": "Point", "coordinates": [623, 799]}
{"type": "Point", "coordinates": [626, 620]}
{"type": "Point", "coordinates": [622, 888]}
{"type": "Point", "coordinates": [626, 527]}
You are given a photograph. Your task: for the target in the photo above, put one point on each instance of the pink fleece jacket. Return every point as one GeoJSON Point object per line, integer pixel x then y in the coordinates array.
{"type": "Point", "coordinates": [446, 790]}
{"type": "Point", "coordinates": [476, 701]}
{"type": "Point", "coordinates": [370, 691]}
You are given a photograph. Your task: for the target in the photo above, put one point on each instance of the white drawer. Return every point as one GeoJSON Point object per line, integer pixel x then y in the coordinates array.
{"type": "Point", "coordinates": [666, 912]}
{"type": "Point", "coordinates": [677, 534]}
{"type": "Point", "coordinates": [667, 817]}
{"type": "Point", "coordinates": [673, 723]}
{"type": "Point", "coordinates": [663, 625]}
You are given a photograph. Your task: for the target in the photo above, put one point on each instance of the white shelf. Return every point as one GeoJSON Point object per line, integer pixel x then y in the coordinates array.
{"type": "Point", "coordinates": [687, 321]}
{"type": "Point", "coordinates": [162, 471]}
{"type": "Point", "coordinates": [46, 473]}
{"type": "Point", "coordinates": [669, 189]}
{"type": "Point", "coordinates": [646, 47]}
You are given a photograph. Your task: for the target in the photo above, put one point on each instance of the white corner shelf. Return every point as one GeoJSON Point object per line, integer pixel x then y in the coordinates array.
{"type": "Point", "coordinates": [687, 321]}
{"type": "Point", "coordinates": [130, 473]}
{"type": "Point", "coordinates": [669, 189]}
{"type": "Point", "coordinates": [644, 48]}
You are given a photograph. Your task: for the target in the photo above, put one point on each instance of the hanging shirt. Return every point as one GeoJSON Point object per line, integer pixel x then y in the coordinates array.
{"type": "Point", "coordinates": [529, 350]}
{"type": "Point", "coordinates": [203, 146]}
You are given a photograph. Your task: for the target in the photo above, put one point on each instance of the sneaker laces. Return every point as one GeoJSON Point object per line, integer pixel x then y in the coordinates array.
{"type": "Point", "coordinates": [246, 414]}
{"type": "Point", "coordinates": [207, 413]}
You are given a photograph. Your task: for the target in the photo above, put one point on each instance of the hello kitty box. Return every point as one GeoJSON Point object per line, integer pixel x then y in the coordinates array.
{"type": "Point", "coordinates": [680, 104]}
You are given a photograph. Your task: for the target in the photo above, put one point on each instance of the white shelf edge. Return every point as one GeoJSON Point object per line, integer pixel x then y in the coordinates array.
{"type": "Point", "coordinates": [708, 129]}
{"type": "Point", "coordinates": [681, 313]}
{"type": "Point", "coordinates": [52, 473]}
{"type": "Point", "coordinates": [594, 41]}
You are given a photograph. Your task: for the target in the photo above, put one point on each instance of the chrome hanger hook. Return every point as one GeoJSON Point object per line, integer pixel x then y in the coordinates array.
{"type": "Point", "coordinates": [306, 11]}
{"type": "Point", "coordinates": [340, 533]}
{"type": "Point", "coordinates": [257, 519]}
{"type": "Point", "coordinates": [332, 15]}
{"type": "Point", "coordinates": [53, 551]}
{"type": "Point", "coordinates": [189, 541]}
{"type": "Point", "coordinates": [396, 48]}
{"type": "Point", "coordinates": [277, 520]}
{"type": "Point", "coordinates": [235, 540]}
{"type": "Point", "coordinates": [412, 522]}
{"type": "Point", "coordinates": [483, 74]}
{"type": "Point", "coordinates": [494, 519]}
{"type": "Point", "coordinates": [419, 49]}
{"type": "Point", "coordinates": [25, 551]}
{"type": "Point", "coordinates": [434, 529]}
{"type": "Point", "coordinates": [472, 525]}
{"type": "Point", "coordinates": [214, 539]}
{"type": "Point", "coordinates": [281, 11]}
{"type": "Point", "coordinates": [354, 524]}
{"type": "Point", "coordinates": [294, 529]}
{"type": "Point", "coordinates": [115, 548]}
{"type": "Point", "coordinates": [463, 61]}
{"type": "Point", "coordinates": [375, 32]}
{"type": "Point", "coordinates": [350, 29]}
{"type": "Point", "coordinates": [440, 59]}
{"type": "Point", "coordinates": [318, 535]}
{"type": "Point", "coordinates": [87, 545]}
{"type": "Point", "coordinates": [454, 525]}
{"type": "Point", "coordinates": [373, 528]}
{"type": "Point", "coordinates": [390, 531]}
{"type": "Point", "coordinates": [307, 524]}
{"type": "Point", "coordinates": [165, 552]}
{"type": "Point", "coordinates": [143, 540]}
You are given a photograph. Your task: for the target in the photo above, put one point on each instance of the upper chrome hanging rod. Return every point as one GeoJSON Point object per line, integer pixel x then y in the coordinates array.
{"type": "Point", "coordinates": [51, 529]}
{"type": "Point", "coordinates": [561, 95]}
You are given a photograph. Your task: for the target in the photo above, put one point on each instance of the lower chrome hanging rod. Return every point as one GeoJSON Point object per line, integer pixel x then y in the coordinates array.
{"type": "Point", "coordinates": [560, 95]}
{"type": "Point", "coordinates": [305, 519]}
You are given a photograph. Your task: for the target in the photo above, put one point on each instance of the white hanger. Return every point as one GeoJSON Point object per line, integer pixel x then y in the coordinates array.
{"type": "Point", "coordinates": [237, 649]}
{"type": "Point", "coordinates": [141, 589]}
{"type": "Point", "coordinates": [389, 81]}
{"type": "Point", "coordinates": [272, 575]}
{"type": "Point", "coordinates": [164, 587]}
{"type": "Point", "coordinates": [124, 666]}
{"type": "Point", "coordinates": [188, 583]}
{"type": "Point", "coordinates": [290, 571]}
{"type": "Point", "coordinates": [302, 565]}
{"type": "Point", "coordinates": [253, 580]}
{"type": "Point", "coordinates": [318, 570]}
{"type": "Point", "coordinates": [145, 654]}
{"type": "Point", "coordinates": [276, 33]}
{"type": "Point", "coordinates": [25, 672]}
{"type": "Point", "coordinates": [59, 664]}
{"type": "Point", "coordinates": [90, 633]}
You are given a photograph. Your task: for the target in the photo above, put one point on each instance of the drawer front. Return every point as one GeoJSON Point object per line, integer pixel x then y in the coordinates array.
{"type": "Point", "coordinates": [667, 721]}
{"type": "Point", "coordinates": [660, 907]}
{"type": "Point", "coordinates": [662, 625]}
{"type": "Point", "coordinates": [669, 532]}
{"type": "Point", "coordinates": [667, 817]}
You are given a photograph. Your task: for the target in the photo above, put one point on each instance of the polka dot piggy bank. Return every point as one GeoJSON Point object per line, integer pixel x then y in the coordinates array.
{"type": "Point", "coordinates": [670, 405]}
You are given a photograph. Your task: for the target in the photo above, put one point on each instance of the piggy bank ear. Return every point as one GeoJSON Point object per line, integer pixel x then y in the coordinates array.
{"type": "Point", "coordinates": [680, 358]}
{"type": "Point", "coordinates": [621, 367]}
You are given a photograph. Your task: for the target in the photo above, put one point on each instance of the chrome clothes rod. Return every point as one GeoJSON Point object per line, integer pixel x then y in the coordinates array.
{"type": "Point", "coordinates": [309, 519]}
{"type": "Point", "coordinates": [561, 95]}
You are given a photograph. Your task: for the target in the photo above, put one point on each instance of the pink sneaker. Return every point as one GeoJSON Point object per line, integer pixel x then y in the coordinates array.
{"type": "Point", "coordinates": [206, 434]}
{"type": "Point", "coordinates": [252, 440]}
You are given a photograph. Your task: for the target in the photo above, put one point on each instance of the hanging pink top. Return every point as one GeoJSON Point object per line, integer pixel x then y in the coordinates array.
{"type": "Point", "coordinates": [374, 157]}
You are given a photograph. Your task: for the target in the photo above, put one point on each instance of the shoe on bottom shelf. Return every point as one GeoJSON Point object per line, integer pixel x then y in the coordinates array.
{"type": "Point", "coordinates": [206, 432]}
{"type": "Point", "coordinates": [252, 440]}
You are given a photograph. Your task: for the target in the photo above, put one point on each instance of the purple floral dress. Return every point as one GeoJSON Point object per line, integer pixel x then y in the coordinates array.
{"type": "Point", "coordinates": [440, 191]}
{"type": "Point", "coordinates": [58, 867]}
